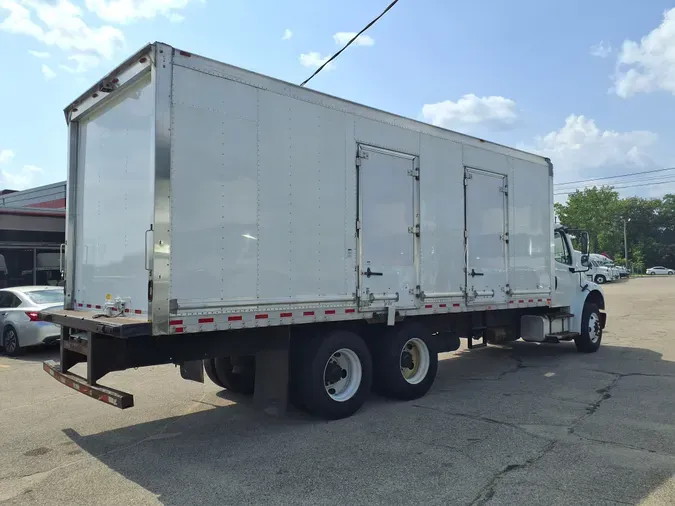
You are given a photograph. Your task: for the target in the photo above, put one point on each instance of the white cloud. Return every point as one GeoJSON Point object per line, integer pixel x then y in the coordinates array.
{"type": "Point", "coordinates": [59, 23]}
{"type": "Point", "coordinates": [6, 155]}
{"type": "Point", "coordinates": [20, 179]}
{"type": "Point", "coordinates": [342, 38]}
{"type": "Point", "coordinates": [492, 112]}
{"type": "Point", "coordinates": [128, 11]}
{"type": "Point", "coordinates": [288, 34]}
{"type": "Point", "coordinates": [580, 148]}
{"type": "Point", "coordinates": [314, 59]}
{"type": "Point", "coordinates": [601, 50]}
{"type": "Point", "coordinates": [648, 65]}
{"type": "Point", "coordinates": [43, 55]}
{"type": "Point", "coordinates": [83, 63]}
{"type": "Point", "coordinates": [48, 72]}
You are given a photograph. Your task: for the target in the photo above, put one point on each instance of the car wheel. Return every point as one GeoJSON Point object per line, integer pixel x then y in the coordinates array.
{"type": "Point", "coordinates": [652, 273]}
{"type": "Point", "coordinates": [670, 273]}
{"type": "Point", "coordinates": [600, 279]}
{"type": "Point", "coordinates": [10, 342]}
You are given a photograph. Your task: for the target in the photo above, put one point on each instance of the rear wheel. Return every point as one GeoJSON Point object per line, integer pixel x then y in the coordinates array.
{"type": "Point", "coordinates": [405, 361]}
{"type": "Point", "coordinates": [10, 342]}
{"type": "Point", "coordinates": [600, 279]}
{"type": "Point", "coordinates": [591, 330]}
{"type": "Point", "coordinates": [235, 374]}
{"type": "Point", "coordinates": [332, 374]}
{"type": "Point", "coordinates": [210, 368]}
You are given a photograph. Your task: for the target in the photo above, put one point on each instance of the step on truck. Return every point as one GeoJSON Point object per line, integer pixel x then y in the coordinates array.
{"type": "Point", "coordinates": [296, 246]}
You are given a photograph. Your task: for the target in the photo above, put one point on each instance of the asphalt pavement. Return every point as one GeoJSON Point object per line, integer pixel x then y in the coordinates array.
{"type": "Point", "coordinates": [523, 424]}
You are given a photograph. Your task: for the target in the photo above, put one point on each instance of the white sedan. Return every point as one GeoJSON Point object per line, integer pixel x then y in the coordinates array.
{"type": "Point", "coordinates": [660, 270]}
{"type": "Point", "coordinates": [19, 323]}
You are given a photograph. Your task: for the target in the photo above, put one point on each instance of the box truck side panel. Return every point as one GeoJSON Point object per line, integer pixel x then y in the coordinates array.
{"type": "Point", "coordinates": [114, 198]}
{"type": "Point", "coordinates": [263, 196]}
{"type": "Point", "coordinates": [530, 229]}
{"type": "Point", "coordinates": [442, 211]}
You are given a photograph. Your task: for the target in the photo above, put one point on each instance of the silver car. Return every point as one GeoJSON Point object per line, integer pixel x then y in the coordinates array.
{"type": "Point", "coordinates": [19, 324]}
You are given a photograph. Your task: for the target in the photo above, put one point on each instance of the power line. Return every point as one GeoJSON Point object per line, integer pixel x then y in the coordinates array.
{"type": "Point", "coordinates": [614, 177]}
{"type": "Point", "coordinates": [619, 187]}
{"type": "Point", "coordinates": [349, 43]}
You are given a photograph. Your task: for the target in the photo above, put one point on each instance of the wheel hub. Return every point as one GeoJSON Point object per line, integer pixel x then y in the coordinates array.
{"type": "Point", "coordinates": [407, 361]}
{"type": "Point", "coordinates": [334, 373]}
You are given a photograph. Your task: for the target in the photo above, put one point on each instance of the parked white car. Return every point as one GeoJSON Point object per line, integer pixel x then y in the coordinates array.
{"type": "Point", "coordinates": [20, 326]}
{"type": "Point", "coordinates": [660, 270]}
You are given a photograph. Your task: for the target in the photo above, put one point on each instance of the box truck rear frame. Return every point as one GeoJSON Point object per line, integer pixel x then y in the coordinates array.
{"type": "Point", "coordinates": [320, 344]}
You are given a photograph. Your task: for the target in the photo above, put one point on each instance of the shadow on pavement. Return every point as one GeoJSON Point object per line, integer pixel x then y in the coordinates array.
{"type": "Point", "coordinates": [36, 354]}
{"type": "Point", "coordinates": [528, 422]}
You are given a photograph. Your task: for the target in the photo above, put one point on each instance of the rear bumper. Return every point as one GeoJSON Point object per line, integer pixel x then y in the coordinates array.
{"type": "Point", "coordinates": [36, 333]}
{"type": "Point", "coordinates": [110, 396]}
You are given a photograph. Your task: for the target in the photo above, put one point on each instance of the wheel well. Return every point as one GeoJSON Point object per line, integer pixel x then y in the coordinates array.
{"type": "Point", "coordinates": [595, 297]}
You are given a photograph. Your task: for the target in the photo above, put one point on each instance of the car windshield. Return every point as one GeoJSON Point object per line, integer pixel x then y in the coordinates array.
{"type": "Point", "coordinates": [46, 296]}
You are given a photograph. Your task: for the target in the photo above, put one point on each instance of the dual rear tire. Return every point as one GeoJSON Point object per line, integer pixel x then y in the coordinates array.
{"type": "Point", "coordinates": [332, 376]}
{"type": "Point", "coordinates": [236, 375]}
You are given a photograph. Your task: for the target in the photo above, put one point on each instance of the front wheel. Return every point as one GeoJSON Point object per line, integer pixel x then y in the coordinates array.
{"type": "Point", "coordinates": [591, 330]}
{"type": "Point", "coordinates": [670, 273]}
{"type": "Point", "coordinates": [332, 374]}
{"type": "Point", "coordinates": [652, 273]}
{"type": "Point", "coordinates": [405, 361]}
{"type": "Point", "coordinates": [600, 279]}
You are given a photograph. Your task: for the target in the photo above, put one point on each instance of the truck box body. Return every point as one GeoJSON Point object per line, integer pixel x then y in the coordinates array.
{"type": "Point", "coordinates": [208, 197]}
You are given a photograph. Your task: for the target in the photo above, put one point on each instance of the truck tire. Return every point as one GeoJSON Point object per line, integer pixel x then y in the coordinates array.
{"type": "Point", "coordinates": [405, 362]}
{"type": "Point", "coordinates": [223, 373]}
{"type": "Point", "coordinates": [210, 368]}
{"type": "Point", "coordinates": [591, 330]}
{"type": "Point", "coordinates": [332, 374]}
{"type": "Point", "coordinates": [600, 279]}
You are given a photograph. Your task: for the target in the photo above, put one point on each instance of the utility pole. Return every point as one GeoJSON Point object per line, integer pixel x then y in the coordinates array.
{"type": "Point", "coordinates": [625, 244]}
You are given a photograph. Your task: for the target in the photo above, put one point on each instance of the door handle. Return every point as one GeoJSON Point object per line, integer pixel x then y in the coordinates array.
{"type": "Point", "coordinates": [369, 273]}
{"type": "Point", "coordinates": [474, 273]}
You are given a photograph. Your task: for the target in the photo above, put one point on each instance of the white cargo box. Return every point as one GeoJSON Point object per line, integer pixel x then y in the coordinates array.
{"type": "Point", "coordinates": [208, 197]}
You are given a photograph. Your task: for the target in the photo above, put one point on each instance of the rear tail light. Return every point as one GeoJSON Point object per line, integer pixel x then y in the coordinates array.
{"type": "Point", "coordinates": [33, 316]}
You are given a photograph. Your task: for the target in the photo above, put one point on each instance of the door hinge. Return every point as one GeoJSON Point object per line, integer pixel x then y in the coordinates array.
{"type": "Point", "coordinates": [467, 176]}
{"type": "Point", "coordinates": [466, 234]}
{"type": "Point", "coordinates": [414, 230]}
{"type": "Point", "coordinates": [414, 173]}
{"type": "Point", "coordinates": [504, 190]}
{"type": "Point", "coordinates": [358, 224]}
{"type": "Point", "coordinates": [504, 237]}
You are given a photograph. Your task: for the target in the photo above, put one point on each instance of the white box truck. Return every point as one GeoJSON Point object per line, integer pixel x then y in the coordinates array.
{"type": "Point", "coordinates": [290, 243]}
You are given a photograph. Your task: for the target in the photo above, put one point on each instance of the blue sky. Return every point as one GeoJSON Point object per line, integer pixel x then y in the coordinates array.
{"type": "Point", "coordinates": [590, 84]}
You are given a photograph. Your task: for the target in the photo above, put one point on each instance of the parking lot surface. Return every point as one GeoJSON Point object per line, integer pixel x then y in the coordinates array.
{"type": "Point", "coordinates": [523, 424]}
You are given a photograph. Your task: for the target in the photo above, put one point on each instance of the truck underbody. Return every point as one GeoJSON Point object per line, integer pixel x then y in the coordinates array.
{"type": "Point", "coordinates": [266, 356]}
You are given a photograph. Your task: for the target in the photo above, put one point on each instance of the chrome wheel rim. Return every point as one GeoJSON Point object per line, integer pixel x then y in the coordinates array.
{"type": "Point", "coordinates": [594, 330]}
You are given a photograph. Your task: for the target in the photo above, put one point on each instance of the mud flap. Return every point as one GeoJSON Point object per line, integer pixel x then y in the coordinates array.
{"type": "Point", "coordinates": [192, 370]}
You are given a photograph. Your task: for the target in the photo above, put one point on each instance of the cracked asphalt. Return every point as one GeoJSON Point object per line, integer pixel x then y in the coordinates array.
{"type": "Point", "coordinates": [523, 424]}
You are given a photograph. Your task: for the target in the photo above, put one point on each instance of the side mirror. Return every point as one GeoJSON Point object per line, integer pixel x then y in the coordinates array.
{"type": "Point", "coordinates": [584, 245]}
{"type": "Point", "coordinates": [584, 260]}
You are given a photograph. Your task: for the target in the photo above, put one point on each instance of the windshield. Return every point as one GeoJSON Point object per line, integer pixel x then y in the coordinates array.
{"type": "Point", "coordinates": [46, 296]}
